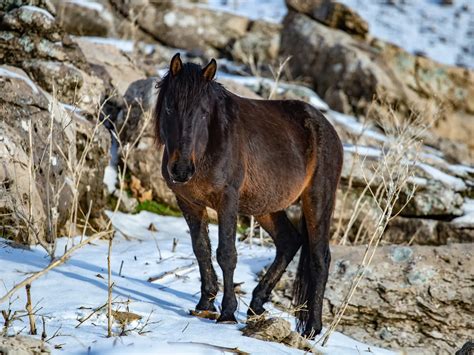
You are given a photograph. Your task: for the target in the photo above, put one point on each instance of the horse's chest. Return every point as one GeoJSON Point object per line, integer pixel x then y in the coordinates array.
{"type": "Point", "coordinates": [203, 194]}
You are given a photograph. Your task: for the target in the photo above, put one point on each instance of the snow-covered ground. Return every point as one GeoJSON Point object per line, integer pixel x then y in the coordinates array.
{"type": "Point", "coordinates": [70, 292]}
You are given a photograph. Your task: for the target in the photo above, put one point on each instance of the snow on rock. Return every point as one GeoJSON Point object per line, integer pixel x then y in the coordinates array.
{"type": "Point", "coordinates": [467, 219]}
{"type": "Point", "coordinates": [71, 291]}
{"type": "Point", "coordinates": [39, 10]}
{"type": "Point", "coordinates": [269, 10]}
{"type": "Point", "coordinates": [443, 33]}
{"type": "Point", "coordinates": [11, 74]}
{"type": "Point", "coordinates": [455, 183]}
{"type": "Point", "coordinates": [92, 5]}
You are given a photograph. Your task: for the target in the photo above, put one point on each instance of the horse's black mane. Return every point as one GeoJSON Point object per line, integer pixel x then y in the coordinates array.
{"type": "Point", "coordinates": [188, 85]}
{"type": "Point", "coordinates": [189, 82]}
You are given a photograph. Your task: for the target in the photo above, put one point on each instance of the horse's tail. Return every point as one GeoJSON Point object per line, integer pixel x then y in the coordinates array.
{"type": "Point", "coordinates": [302, 284]}
{"type": "Point", "coordinates": [318, 202]}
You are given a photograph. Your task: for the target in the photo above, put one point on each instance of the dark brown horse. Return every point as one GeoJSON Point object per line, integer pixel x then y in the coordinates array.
{"type": "Point", "coordinates": [254, 157]}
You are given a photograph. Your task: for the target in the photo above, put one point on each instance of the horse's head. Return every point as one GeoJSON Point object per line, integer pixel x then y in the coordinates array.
{"type": "Point", "coordinates": [183, 113]}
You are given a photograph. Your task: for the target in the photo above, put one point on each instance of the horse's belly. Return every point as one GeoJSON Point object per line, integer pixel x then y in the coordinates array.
{"type": "Point", "coordinates": [270, 197]}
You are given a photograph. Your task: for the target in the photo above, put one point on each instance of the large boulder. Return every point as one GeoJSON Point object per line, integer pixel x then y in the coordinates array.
{"type": "Point", "coordinates": [185, 25]}
{"type": "Point", "coordinates": [48, 142]}
{"type": "Point", "coordinates": [50, 119]}
{"type": "Point", "coordinates": [417, 298]}
{"type": "Point", "coordinates": [333, 14]}
{"type": "Point", "coordinates": [111, 64]}
{"type": "Point", "coordinates": [260, 46]}
{"type": "Point", "coordinates": [85, 18]}
{"type": "Point", "coordinates": [31, 39]}
{"type": "Point", "coordinates": [348, 73]}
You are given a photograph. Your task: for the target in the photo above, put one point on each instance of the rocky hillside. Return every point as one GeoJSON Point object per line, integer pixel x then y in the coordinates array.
{"type": "Point", "coordinates": [78, 82]}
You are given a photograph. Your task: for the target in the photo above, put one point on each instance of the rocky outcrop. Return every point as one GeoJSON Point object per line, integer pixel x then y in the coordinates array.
{"type": "Point", "coordinates": [348, 73]}
{"type": "Point", "coordinates": [33, 161]}
{"type": "Point", "coordinates": [418, 298]}
{"type": "Point", "coordinates": [111, 65]}
{"type": "Point", "coordinates": [51, 151]}
{"type": "Point", "coordinates": [333, 14]}
{"type": "Point", "coordinates": [86, 18]}
{"type": "Point", "coordinates": [259, 46]}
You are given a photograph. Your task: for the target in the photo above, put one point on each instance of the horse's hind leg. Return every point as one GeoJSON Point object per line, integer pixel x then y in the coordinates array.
{"type": "Point", "coordinates": [287, 241]}
{"type": "Point", "coordinates": [318, 203]}
{"type": "Point", "coordinates": [196, 217]}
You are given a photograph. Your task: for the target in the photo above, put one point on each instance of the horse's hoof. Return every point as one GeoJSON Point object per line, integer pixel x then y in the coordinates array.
{"type": "Point", "coordinates": [310, 332]}
{"type": "Point", "coordinates": [227, 319]}
{"type": "Point", "coordinates": [206, 307]}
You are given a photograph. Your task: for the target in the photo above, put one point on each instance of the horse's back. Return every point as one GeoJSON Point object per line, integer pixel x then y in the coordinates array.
{"type": "Point", "coordinates": [280, 140]}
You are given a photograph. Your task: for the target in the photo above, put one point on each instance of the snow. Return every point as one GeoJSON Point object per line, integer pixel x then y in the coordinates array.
{"type": "Point", "coordinates": [92, 5]}
{"type": "Point", "coordinates": [363, 150]}
{"type": "Point", "coordinates": [10, 74]}
{"type": "Point", "coordinates": [39, 10]}
{"type": "Point", "coordinates": [71, 290]}
{"type": "Point", "coordinates": [467, 219]}
{"type": "Point", "coordinates": [110, 178]}
{"type": "Point", "coordinates": [254, 83]}
{"type": "Point", "coordinates": [269, 10]}
{"type": "Point", "coordinates": [121, 44]}
{"type": "Point", "coordinates": [456, 183]}
{"type": "Point", "coordinates": [443, 33]}
{"type": "Point", "coordinates": [354, 126]}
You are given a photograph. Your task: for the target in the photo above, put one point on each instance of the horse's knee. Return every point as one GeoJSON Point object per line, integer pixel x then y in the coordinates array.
{"type": "Point", "coordinates": [226, 257]}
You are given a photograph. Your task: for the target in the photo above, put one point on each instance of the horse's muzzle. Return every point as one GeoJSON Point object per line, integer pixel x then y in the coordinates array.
{"type": "Point", "coordinates": [181, 172]}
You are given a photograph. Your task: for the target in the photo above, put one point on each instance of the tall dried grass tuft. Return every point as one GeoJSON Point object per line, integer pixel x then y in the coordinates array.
{"type": "Point", "coordinates": [389, 180]}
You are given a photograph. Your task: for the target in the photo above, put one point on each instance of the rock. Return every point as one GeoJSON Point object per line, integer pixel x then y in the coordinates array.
{"type": "Point", "coordinates": [69, 84]}
{"type": "Point", "coordinates": [85, 18]}
{"type": "Point", "coordinates": [35, 18]}
{"type": "Point", "coordinates": [295, 340]}
{"type": "Point", "coordinates": [114, 66]}
{"type": "Point", "coordinates": [25, 106]}
{"type": "Point", "coordinates": [272, 329]}
{"type": "Point", "coordinates": [260, 46]}
{"type": "Point", "coordinates": [333, 14]}
{"type": "Point", "coordinates": [185, 25]}
{"type": "Point", "coordinates": [417, 298]}
{"type": "Point", "coordinates": [30, 39]}
{"type": "Point", "coordinates": [349, 72]}
{"type": "Point", "coordinates": [277, 330]}
{"type": "Point", "coordinates": [17, 192]}
{"type": "Point", "coordinates": [423, 231]}
{"type": "Point", "coordinates": [22, 345]}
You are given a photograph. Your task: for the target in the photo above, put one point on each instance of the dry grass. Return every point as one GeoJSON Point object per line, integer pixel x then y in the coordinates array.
{"type": "Point", "coordinates": [390, 178]}
{"type": "Point", "coordinates": [77, 168]}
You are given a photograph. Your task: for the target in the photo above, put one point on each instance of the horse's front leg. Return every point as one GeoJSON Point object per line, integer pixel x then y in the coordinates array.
{"type": "Point", "coordinates": [226, 252]}
{"type": "Point", "coordinates": [196, 217]}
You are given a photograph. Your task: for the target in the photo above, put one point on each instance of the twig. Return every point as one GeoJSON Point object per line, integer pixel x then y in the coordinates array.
{"type": "Point", "coordinates": [29, 309]}
{"type": "Point", "coordinates": [171, 272]}
{"type": "Point", "coordinates": [212, 346]}
{"type": "Point", "coordinates": [109, 289]}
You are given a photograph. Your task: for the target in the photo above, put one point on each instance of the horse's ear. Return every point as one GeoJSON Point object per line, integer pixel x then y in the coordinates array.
{"type": "Point", "coordinates": [176, 64]}
{"type": "Point", "coordinates": [210, 70]}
